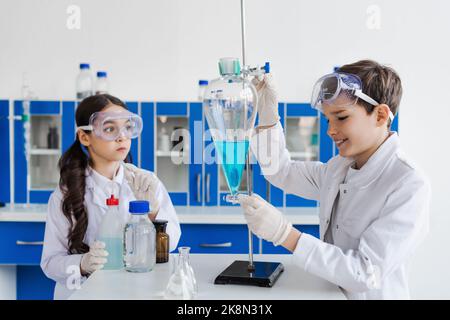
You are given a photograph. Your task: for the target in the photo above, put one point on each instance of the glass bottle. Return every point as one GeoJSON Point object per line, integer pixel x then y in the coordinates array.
{"type": "Point", "coordinates": [139, 239]}
{"type": "Point", "coordinates": [162, 241]}
{"type": "Point", "coordinates": [182, 283]}
{"type": "Point", "coordinates": [111, 233]}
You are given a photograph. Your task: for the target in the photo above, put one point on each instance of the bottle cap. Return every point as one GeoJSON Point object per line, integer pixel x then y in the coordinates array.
{"type": "Point", "coordinates": [101, 74]}
{"type": "Point", "coordinates": [139, 207]}
{"type": "Point", "coordinates": [112, 201]}
{"type": "Point", "coordinates": [84, 65]}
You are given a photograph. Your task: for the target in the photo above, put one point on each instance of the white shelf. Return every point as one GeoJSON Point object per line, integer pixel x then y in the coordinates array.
{"type": "Point", "coordinates": [303, 154]}
{"type": "Point", "coordinates": [177, 154]}
{"type": "Point", "coordinates": [45, 152]}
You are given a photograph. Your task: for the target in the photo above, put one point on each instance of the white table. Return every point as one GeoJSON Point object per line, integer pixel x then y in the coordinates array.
{"type": "Point", "coordinates": [294, 283]}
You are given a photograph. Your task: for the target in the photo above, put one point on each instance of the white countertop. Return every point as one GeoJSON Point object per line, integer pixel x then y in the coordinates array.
{"type": "Point", "coordinates": [186, 214]}
{"type": "Point", "coordinates": [293, 284]}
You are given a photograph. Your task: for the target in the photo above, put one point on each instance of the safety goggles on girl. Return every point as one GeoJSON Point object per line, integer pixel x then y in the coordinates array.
{"type": "Point", "coordinates": [341, 89]}
{"type": "Point", "coordinates": [111, 125]}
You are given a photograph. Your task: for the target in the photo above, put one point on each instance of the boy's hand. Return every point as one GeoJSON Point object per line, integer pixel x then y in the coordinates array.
{"type": "Point", "coordinates": [143, 184]}
{"type": "Point", "coordinates": [265, 220]}
{"type": "Point", "coordinates": [267, 101]}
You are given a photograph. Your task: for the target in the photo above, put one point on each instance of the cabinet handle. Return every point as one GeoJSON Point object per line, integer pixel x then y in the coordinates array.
{"type": "Point", "coordinates": [29, 243]}
{"type": "Point", "coordinates": [208, 189]}
{"type": "Point", "coordinates": [199, 190]}
{"type": "Point", "coordinates": [216, 245]}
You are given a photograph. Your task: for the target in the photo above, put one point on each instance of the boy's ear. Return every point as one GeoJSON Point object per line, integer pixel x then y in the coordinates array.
{"type": "Point", "coordinates": [84, 138]}
{"type": "Point", "coordinates": [382, 111]}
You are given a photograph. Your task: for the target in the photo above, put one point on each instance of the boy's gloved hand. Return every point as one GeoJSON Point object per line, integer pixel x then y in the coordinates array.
{"type": "Point", "coordinates": [265, 220]}
{"type": "Point", "coordinates": [95, 259]}
{"type": "Point", "coordinates": [144, 184]}
{"type": "Point", "coordinates": [267, 100]}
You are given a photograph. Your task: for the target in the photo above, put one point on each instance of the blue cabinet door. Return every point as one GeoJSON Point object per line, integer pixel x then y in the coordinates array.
{"type": "Point", "coordinates": [4, 151]}
{"type": "Point", "coordinates": [216, 238]}
{"type": "Point", "coordinates": [134, 107]}
{"type": "Point", "coordinates": [175, 110]}
{"type": "Point", "coordinates": [211, 169]}
{"type": "Point", "coordinates": [37, 108]}
{"type": "Point", "coordinates": [296, 110]}
{"type": "Point", "coordinates": [196, 154]}
{"type": "Point", "coordinates": [147, 139]}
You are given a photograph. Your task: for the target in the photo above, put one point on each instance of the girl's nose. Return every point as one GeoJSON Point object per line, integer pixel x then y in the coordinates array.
{"type": "Point", "coordinates": [331, 131]}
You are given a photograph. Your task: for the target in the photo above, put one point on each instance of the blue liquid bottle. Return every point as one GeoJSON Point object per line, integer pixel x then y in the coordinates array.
{"type": "Point", "coordinates": [111, 233]}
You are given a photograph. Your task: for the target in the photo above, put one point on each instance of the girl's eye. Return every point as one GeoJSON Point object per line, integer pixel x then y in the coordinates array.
{"type": "Point", "coordinates": [342, 118]}
{"type": "Point", "coordinates": [108, 129]}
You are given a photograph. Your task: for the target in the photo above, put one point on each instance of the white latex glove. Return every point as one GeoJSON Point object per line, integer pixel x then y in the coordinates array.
{"type": "Point", "coordinates": [144, 184]}
{"type": "Point", "coordinates": [95, 259]}
{"type": "Point", "coordinates": [265, 220]}
{"type": "Point", "coordinates": [267, 100]}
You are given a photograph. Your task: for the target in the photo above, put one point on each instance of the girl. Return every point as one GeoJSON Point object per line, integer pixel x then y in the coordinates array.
{"type": "Point", "coordinates": [90, 170]}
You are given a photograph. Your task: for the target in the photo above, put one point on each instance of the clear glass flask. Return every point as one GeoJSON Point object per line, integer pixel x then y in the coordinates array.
{"type": "Point", "coordinates": [182, 283]}
{"type": "Point", "coordinates": [139, 239]}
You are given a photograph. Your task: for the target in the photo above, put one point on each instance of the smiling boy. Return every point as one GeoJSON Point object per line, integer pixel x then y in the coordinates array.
{"type": "Point", "coordinates": [374, 203]}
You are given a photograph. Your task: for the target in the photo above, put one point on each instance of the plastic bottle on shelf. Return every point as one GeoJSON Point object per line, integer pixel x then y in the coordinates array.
{"type": "Point", "coordinates": [101, 83]}
{"type": "Point", "coordinates": [85, 82]}
{"type": "Point", "coordinates": [202, 84]}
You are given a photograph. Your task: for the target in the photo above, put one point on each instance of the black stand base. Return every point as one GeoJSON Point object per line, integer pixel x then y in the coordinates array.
{"type": "Point", "coordinates": [264, 275]}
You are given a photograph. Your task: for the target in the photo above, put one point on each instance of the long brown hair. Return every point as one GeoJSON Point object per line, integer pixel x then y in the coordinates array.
{"type": "Point", "coordinates": [72, 167]}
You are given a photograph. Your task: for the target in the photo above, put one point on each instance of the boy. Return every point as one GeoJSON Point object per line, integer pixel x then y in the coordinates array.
{"type": "Point", "coordinates": [374, 203]}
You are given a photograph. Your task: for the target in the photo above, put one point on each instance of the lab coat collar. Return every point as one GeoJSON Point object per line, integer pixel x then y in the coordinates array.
{"type": "Point", "coordinates": [99, 185]}
{"type": "Point", "coordinates": [374, 167]}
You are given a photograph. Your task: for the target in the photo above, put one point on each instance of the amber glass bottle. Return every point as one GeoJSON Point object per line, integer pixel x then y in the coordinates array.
{"type": "Point", "coordinates": [162, 241]}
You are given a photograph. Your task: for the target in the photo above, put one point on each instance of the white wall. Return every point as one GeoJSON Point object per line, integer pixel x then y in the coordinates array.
{"type": "Point", "coordinates": [159, 49]}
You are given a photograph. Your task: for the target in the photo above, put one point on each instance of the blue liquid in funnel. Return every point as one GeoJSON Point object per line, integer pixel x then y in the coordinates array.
{"type": "Point", "coordinates": [233, 155]}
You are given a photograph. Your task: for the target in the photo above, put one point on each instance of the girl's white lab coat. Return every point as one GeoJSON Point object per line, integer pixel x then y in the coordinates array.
{"type": "Point", "coordinates": [381, 217]}
{"type": "Point", "coordinates": [56, 262]}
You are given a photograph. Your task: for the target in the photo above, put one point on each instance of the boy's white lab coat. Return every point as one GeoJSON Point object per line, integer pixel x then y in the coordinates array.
{"type": "Point", "coordinates": [61, 266]}
{"type": "Point", "coordinates": [381, 217]}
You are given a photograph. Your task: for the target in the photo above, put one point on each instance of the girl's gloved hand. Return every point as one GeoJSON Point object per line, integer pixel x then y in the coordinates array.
{"type": "Point", "coordinates": [267, 100]}
{"type": "Point", "coordinates": [95, 259]}
{"type": "Point", "coordinates": [265, 220]}
{"type": "Point", "coordinates": [144, 184]}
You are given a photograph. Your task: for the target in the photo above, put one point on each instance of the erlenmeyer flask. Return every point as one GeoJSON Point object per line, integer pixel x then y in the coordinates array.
{"type": "Point", "coordinates": [182, 283]}
{"type": "Point", "coordinates": [230, 108]}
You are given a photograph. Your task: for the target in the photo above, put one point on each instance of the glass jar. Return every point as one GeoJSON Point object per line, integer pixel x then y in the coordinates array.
{"type": "Point", "coordinates": [162, 241]}
{"type": "Point", "coordinates": [139, 239]}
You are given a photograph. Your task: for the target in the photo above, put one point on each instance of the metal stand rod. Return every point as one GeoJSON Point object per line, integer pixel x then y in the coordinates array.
{"type": "Point", "coordinates": [251, 266]}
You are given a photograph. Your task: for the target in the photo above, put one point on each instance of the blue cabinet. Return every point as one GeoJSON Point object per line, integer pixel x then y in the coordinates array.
{"type": "Point", "coordinates": [216, 238]}
{"type": "Point", "coordinates": [21, 245]}
{"type": "Point", "coordinates": [4, 151]}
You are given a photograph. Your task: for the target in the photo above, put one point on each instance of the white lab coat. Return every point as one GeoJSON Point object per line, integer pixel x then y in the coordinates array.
{"type": "Point", "coordinates": [381, 217]}
{"type": "Point", "coordinates": [56, 262]}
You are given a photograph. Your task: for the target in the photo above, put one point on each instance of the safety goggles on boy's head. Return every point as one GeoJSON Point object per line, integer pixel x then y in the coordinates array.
{"type": "Point", "coordinates": [111, 125]}
{"type": "Point", "coordinates": [341, 89]}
